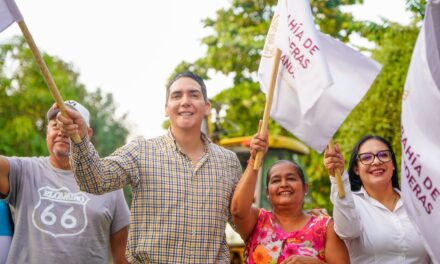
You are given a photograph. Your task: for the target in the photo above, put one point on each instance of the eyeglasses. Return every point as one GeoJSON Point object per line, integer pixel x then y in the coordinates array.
{"type": "Point", "coordinates": [368, 157]}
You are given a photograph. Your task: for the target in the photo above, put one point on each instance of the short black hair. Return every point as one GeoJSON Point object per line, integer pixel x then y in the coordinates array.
{"type": "Point", "coordinates": [355, 180]}
{"type": "Point", "coordinates": [298, 168]}
{"type": "Point", "coordinates": [188, 74]}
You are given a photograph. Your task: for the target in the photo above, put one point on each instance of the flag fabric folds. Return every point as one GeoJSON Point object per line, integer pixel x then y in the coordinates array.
{"type": "Point", "coordinates": [320, 79]}
{"type": "Point", "coordinates": [9, 14]}
{"type": "Point", "coordinates": [297, 37]}
{"type": "Point", "coordinates": [420, 168]}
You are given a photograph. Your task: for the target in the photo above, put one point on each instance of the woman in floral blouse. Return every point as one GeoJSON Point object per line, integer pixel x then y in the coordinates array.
{"type": "Point", "coordinates": [287, 234]}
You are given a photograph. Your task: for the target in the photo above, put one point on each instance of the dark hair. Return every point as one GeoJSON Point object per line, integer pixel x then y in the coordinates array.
{"type": "Point", "coordinates": [355, 180]}
{"type": "Point", "coordinates": [188, 74]}
{"type": "Point", "coordinates": [298, 168]}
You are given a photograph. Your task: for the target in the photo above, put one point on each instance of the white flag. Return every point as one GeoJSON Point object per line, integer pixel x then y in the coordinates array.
{"type": "Point", "coordinates": [421, 133]}
{"type": "Point", "coordinates": [9, 14]}
{"type": "Point", "coordinates": [303, 58]}
{"type": "Point", "coordinates": [348, 73]}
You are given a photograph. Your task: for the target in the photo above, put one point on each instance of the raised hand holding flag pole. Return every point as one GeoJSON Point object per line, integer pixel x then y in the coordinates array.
{"type": "Point", "coordinates": [10, 13]}
{"type": "Point", "coordinates": [268, 106]}
{"type": "Point", "coordinates": [338, 175]}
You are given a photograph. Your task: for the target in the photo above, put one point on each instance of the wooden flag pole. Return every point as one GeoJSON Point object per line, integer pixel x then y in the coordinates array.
{"type": "Point", "coordinates": [338, 176]}
{"type": "Point", "coordinates": [46, 74]}
{"type": "Point", "coordinates": [268, 106]}
{"type": "Point", "coordinates": [266, 116]}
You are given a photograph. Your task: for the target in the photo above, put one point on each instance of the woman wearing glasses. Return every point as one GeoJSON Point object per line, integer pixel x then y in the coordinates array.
{"type": "Point", "coordinates": [371, 218]}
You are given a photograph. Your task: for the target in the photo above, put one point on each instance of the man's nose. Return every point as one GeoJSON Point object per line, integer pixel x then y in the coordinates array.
{"type": "Point", "coordinates": [61, 134]}
{"type": "Point", "coordinates": [186, 100]}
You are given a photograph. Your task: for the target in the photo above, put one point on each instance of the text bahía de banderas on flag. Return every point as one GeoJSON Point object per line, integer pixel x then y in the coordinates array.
{"type": "Point", "coordinates": [9, 14]}
{"type": "Point", "coordinates": [320, 80]}
{"type": "Point", "coordinates": [420, 168]}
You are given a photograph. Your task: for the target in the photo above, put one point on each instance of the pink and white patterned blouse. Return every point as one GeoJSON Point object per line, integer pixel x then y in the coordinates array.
{"type": "Point", "coordinates": [269, 244]}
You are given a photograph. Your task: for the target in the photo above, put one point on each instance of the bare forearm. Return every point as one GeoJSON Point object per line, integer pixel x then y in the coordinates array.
{"type": "Point", "coordinates": [335, 249]}
{"type": "Point", "coordinates": [118, 243]}
{"type": "Point", "coordinates": [4, 177]}
{"type": "Point", "coordinates": [244, 193]}
{"type": "Point", "coordinates": [302, 259]}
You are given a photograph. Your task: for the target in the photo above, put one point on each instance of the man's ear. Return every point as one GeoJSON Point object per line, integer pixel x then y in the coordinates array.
{"type": "Point", "coordinates": [208, 108]}
{"type": "Point", "coordinates": [166, 110]}
{"type": "Point", "coordinates": [90, 133]}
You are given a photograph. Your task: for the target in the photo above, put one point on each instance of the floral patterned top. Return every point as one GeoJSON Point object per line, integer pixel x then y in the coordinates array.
{"type": "Point", "coordinates": [269, 244]}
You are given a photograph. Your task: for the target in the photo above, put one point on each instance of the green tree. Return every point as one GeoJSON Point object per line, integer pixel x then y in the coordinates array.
{"type": "Point", "coordinates": [379, 111]}
{"type": "Point", "coordinates": [25, 99]}
{"type": "Point", "coordinates": [417, 7]}
{"type": "Point", "coordinates": [240, 31]}
{"type": "Point", "coordinates": [234, 49]}
{"type": "Point", "coordinates": [109, 132]}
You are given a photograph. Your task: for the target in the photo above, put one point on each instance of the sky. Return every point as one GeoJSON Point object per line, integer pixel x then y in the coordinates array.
{"type": "Point", "coordinates": [129, 48]}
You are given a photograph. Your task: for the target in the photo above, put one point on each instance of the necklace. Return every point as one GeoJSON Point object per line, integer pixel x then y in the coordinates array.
{"type": "Point", "coordinates": [393, 205]}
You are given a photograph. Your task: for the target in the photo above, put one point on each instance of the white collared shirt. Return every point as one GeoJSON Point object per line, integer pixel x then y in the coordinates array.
{"type": "Point", "coordinates": [372, 233]}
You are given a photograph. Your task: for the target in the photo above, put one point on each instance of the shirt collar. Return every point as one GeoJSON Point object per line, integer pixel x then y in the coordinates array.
{"type": "Point", "coordinates": [366, 196]}
{"type": "Point", "coordinates": [170, 139]}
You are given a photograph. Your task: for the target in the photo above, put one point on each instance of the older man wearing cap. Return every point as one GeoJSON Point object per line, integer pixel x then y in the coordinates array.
{"type": "Point", "coordinates": [54, 221]}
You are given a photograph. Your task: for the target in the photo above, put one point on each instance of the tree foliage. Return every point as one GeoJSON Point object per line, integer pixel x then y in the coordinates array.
{"type": "Point", "coordinates": [379, 111]}
{"type": "Point", "coordinates": [417, 7]}
{"type": "Point", "coordinates": [109, 132]}
{"type": "Point", "coordinates": [234, 49]}
{"type": "Point", "coordinates": [25, 99]}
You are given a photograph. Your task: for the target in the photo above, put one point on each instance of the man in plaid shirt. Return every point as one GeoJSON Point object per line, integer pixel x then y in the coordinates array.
{"type": "Point", "coordinates": [182, 183]}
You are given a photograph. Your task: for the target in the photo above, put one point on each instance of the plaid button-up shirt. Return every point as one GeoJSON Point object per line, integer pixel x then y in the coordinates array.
{"type": "Point", "coordinates": [179, 211]}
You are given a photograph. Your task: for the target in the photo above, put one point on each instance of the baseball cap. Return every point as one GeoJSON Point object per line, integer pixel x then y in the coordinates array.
{"type": "Point", "coordinates": [74, 105]}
